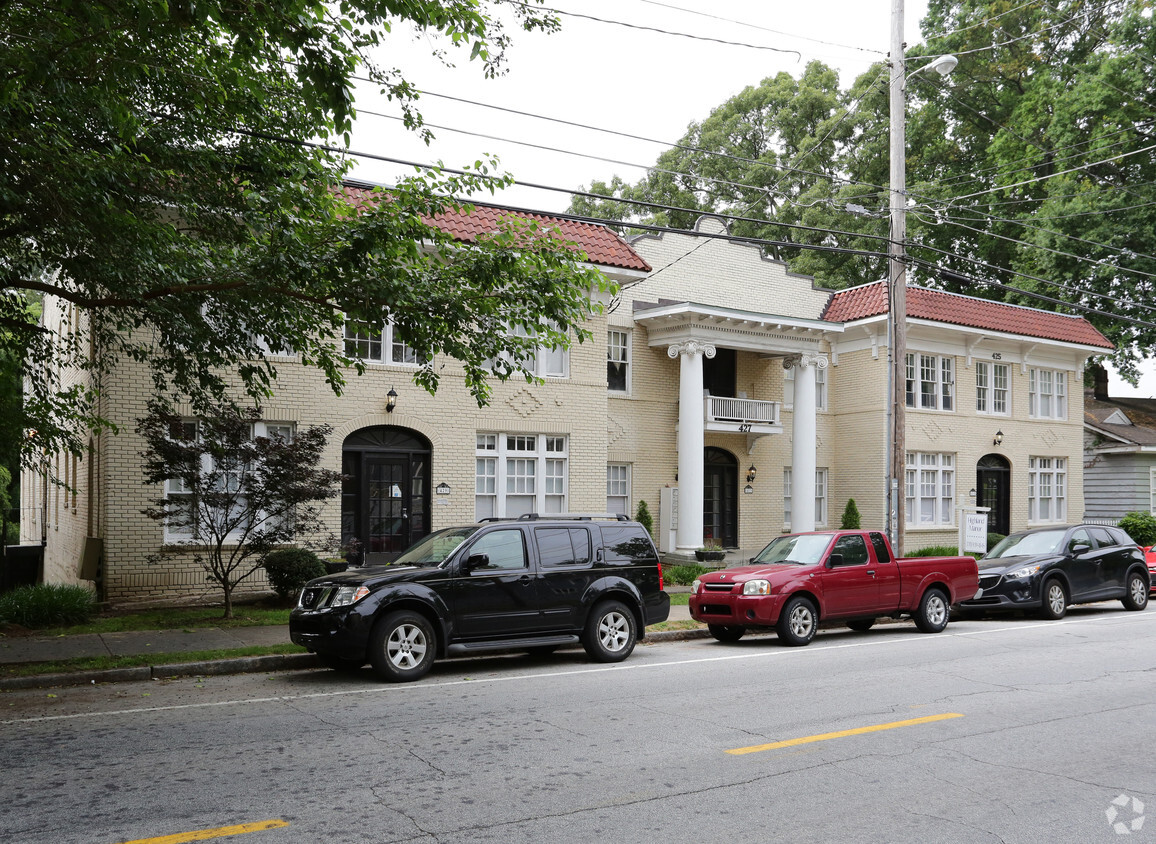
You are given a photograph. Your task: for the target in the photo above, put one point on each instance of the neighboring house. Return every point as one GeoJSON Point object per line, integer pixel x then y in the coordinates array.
{"type": "Point", "coordinates": [736, 398]}
{"type": "Point", "coordinates": [1119, 454]}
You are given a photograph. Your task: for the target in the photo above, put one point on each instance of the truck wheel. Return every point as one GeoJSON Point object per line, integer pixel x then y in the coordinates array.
{"type": "Point", "coordinates": [610, 632]}
{"type": "Point", "coordinates": [1136, 598]}
{"type": "Point", "coordinates": [1055, 599]}
{"type": "Point", "coordinates": [861, 625]}
{"type": "Point", "coordinates": [726, 632]}
{"type": "Point", "coordinates": [798, 622]}
{"type": "Point", "coordinates": [931, 617]}
{"type": "Point", "coordinates": [401, 647]}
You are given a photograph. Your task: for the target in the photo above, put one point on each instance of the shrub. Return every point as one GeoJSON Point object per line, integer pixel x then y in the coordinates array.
{"type": "Point", "coordinates": [994, 539]}
{"type": "Point", "coordinates": [1141, 527]}
{"type": "Point", "coordinates": [937, 551]}
{"type": "Point", "coordinates": [291, 568]}
{"type": "Point", "coordinates": [682, 575]}
{"type": "Point", "coordinates": [47, 605]}
{"type": "Point", "coordinates": [850, 516]}
{"type": "Point", "coordinates": [644, 518]}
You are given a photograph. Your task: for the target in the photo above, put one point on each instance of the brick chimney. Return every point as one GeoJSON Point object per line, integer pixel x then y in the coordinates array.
{"type": "Point", "coordinates": [1099, 382]}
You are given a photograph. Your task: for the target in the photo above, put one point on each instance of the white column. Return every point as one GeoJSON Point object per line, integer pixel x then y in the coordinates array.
{"type": "Point", "coordinates": [803, 442]}
{"type": "Point", "coordinates": [691, 440]}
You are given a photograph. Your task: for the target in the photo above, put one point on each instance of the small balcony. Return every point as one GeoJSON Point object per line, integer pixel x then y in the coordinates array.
{"type": "Point", "coordinates": [742, 416]}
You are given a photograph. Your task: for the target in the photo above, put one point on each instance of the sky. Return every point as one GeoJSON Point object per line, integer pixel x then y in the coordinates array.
{"type": "Point", "coordinates": [615, 74]}
{"type": "Point", "coordinates": [606, 75]}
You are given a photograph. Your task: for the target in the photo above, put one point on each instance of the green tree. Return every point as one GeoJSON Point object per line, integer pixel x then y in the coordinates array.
{"type": "Point", "coordinates": [851, 518]}
{"type": "Point", "coordinates": [240, 496]}
{"type": "Point", "coordinates": [160, 171]}
{"type": "Point", "coordinates": [644, 518]}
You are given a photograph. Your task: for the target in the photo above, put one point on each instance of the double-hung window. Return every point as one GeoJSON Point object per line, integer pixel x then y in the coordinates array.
{"type": "Point", "coordinates": [379, 345]}
{"type": "Point", "coordinates": [930, 489]}
{"type": "Point", "coordinates": [618, 361]}
{"type": "Point", "coordinates": [1047, 489]}
{"type": "Point", "coordinates": [618, 488]}
{"type": "Point", "coordinates": [516, 474]}
{"type": "Point", "coordinates": [930, 382]}
{"type": "Point", "coordinates": [542, 361]}
{"type": "Point", "coordinates": [991, 388]}
{"type": "Point", "coordinates": [1047, 394]}
{"type": "Point", "coordinates": [820, 388]}
{"type": "Point", "coordinates": [820, 497]}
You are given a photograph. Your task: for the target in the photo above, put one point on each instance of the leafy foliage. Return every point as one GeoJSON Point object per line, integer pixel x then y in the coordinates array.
{"type": "Point", "coordinates": [683, 575]}
{"type": "Point", "coordinates": [644, 518]}
{"type": "Point", "coordinates": [289, 569]}
{"type": "Point", "coordinates": [161, 176]}
{"type": "Point", "coordinates": [1140, 526]}
{"type": "Point", "coordinates": [47, 605]}
{"type": "Point", "coordinates": [851, 519]}
{"type": "Point", "coordinates": [241, 496]}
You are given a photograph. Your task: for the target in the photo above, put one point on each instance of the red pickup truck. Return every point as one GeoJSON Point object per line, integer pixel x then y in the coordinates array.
{"type": "Point", "coordinates": [851, 576]}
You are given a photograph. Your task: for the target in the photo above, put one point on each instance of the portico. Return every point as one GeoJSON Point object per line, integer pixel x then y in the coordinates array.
{"type": "Point", "coordinates": [694, 334]}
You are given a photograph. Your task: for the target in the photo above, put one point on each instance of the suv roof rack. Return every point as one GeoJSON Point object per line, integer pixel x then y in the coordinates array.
{"type": "Point", "coordinates": [533, 517]}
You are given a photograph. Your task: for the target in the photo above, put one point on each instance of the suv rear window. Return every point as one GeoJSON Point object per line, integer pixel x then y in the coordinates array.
{"type": "Point", "coordinates": [628, 544]}
{"type": "Point", "coordinates": [563, 546]}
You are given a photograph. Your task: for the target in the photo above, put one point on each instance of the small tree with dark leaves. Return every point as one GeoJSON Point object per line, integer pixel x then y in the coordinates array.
{"type": "Point", "coordinates": [230, 496]}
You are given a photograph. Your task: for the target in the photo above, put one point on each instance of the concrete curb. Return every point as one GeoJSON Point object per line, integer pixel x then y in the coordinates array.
{"type": "Point", "coordinates": [238, 665]}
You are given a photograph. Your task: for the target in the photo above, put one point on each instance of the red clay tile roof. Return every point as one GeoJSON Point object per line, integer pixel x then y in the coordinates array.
{"type": "Point", "coordinates": [601, 245]}
{"type": "Point", "coordinates": [871, 300]}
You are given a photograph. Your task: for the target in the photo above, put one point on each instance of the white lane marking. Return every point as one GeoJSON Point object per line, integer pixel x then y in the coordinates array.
{"type": "Point", "coordinates": [776, 653]}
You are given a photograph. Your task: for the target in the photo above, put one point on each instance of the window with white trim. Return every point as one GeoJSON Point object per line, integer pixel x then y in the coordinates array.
{"type": "Point", "coordinates": [520, 473]}
{"type": "Point", "coordinates": [930, 489]}
{"type": "Point", "coordinates": [820, 497]}
{"type": "Point", "coordinates": [820, 388]}
{"type": "Point", "coordinates": [930, 382]}
{"type": "Point", "coordinates": [1152, 491]}
{"type": "Point", "coordinates": [1047, 394]}
{"type": "Point", "coordinates": [991, 388]}
{"type": "Point", "coordinates": [542, 361]}
{"type": "Point", "coordinates": [618, 488]}
{"type": "Point", "coordinates": [176, 489]}
{"type": "Point", "coordinates": [1047, 489]}
{"type": "Point", "coordinates": [381, 345]}
{"type": "Point", "coordinates": [618, 361]}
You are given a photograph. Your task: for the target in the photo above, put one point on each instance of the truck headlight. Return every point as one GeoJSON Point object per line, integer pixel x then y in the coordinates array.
{"type": "Point", "coordinates": [694, 587]}
{"type": "Point", "coordinates": [757, 587]}
{"type": "Point", "coordinates": [346, 595]}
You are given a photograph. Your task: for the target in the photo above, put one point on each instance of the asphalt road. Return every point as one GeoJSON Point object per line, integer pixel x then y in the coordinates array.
{"type": "Point", "coordinates": [1007, 730]}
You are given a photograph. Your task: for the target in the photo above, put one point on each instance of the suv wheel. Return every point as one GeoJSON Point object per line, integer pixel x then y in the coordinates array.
{"type": "Point", "coordinates": [401, 647]}
{"type": "Point", "coordinates": [610, 632]}
{"type": "Point", "coordinates": [1136, 597]}
{"type": "Point", "coordinates": [1055, 600]}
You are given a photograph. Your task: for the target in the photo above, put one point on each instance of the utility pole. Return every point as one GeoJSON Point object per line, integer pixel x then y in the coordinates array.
{"type": "Point", "coordinates": [897, 287]}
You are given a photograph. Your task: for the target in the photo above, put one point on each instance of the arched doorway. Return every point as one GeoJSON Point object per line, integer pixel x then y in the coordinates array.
{"type": "Point", "coordinates": [385, 496]}
{"type": "Point", "coordinates": [993, 489]}
{"type": "Point", "coordinates": [720, 512]}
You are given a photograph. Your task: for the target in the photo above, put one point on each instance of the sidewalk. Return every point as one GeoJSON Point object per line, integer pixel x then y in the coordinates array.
{"type": "Point", "coordinates": [18, 650]}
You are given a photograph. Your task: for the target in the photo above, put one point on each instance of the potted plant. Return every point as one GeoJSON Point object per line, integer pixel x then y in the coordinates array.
{"type": "Point", "coordinates": [710, 552]}
{"type": "Point", "coordinates": [352, 552]}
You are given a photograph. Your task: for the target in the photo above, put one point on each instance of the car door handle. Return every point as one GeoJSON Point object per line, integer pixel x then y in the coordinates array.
{"type": "Point", "coordinates": [871, 572]}
{"type": "Point", "coordinates": [525, 580]}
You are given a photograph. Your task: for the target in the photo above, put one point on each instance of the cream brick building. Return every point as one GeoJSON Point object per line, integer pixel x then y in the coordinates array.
{"type": "Point", "coordinates": [736, 398]}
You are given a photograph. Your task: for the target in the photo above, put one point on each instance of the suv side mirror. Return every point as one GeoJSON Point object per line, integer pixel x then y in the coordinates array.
{"type": "Point", "coordinates": [1080, 547]}
{"type": "Point", "coordinates": [477, 561]}
{"type": "Point", "coordinates": [835, 560]}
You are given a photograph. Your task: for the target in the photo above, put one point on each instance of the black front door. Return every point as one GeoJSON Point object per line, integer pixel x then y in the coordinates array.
{"type": "Point", "coordinates": [993, 489]}
{"type": "Point", "coordinates": [385, 495]}
{"type": "Point", "coordinates": [720, 512]}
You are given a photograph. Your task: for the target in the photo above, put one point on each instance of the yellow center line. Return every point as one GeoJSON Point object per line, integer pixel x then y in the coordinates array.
{"type": "Point", "coordinates": [739, 751]}
{"type": "Point", "coordinates": [205, 834]}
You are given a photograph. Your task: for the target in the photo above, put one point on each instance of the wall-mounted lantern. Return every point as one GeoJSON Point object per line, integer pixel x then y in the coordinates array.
{"type": "Point", "coordinates": [998, 438]}
{"type": "Point", "coordinates": [390, 400]}
{"type": "Point", "coordinates": [751, 472]}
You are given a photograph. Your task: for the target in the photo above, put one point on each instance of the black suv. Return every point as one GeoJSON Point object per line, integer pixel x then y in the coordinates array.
{"type": "Point", "coordinates": [532, 583]}
{"type": "Point", "coordinates": [1047, 569]}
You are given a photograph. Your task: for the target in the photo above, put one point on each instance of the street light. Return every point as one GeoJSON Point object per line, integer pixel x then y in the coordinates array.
{"type": "Point", "coordinates": [897, 275]}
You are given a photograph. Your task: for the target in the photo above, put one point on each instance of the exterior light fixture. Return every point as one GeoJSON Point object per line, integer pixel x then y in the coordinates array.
{"type": "Point", "coordinates": [390, 400]}
{"type": "Point", "coordinates": [751, 472]}
{"type": "Point", "coordinates": [998, 438]}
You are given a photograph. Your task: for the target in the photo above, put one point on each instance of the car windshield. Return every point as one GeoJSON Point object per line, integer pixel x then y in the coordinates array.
{"type": "Point", "coordinates": [1027, 544]}
{"type": "Point", "coordinates": [435, 548]}
{"type": "Point", "coordinates": [801, 549]}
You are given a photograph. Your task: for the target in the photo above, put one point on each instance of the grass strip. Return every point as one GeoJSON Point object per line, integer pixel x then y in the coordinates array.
{"type": "Point", "coordinates": [173, 619]}
{"type": "Point", "coordinates": [101, 663]}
